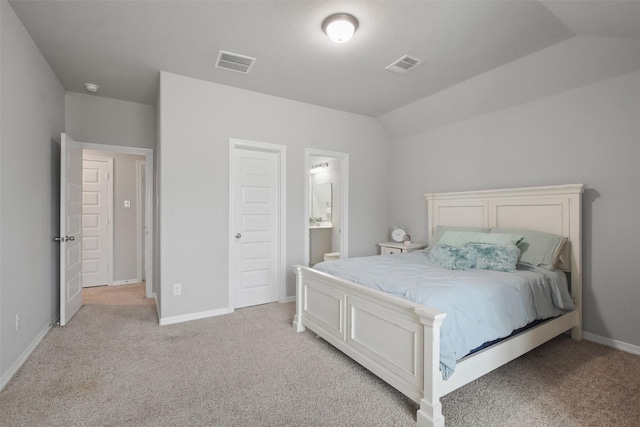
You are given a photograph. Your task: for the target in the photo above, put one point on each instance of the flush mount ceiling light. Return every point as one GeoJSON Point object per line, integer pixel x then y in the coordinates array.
{"type": "Point", "coordinates": [340, 27]}
{"type": "Point", "coordinates": [91, 87]}
{"type": "Point", "coordinates": [321, 167]}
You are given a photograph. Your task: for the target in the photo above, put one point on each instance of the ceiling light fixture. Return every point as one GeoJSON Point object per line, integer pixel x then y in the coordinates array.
{"type": "Point", "coordinates": [340, 27]}
{"type": "Point", "coordinates": [91, 87]}
{"type": "Point", "coordinates": [321, 167]}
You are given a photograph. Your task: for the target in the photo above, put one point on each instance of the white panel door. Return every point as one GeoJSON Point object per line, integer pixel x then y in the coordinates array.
{"type": "Point", "coordinates": [255, 226]}
{"type": "Point", "coordinates": [95, 222]}
{"type": "Point", "coordinates": [70, 228]}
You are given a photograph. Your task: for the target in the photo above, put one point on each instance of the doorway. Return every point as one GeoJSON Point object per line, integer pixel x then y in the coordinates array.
{"type": "Point", "coordinates": [257, 224]}
{"type": "Point", "coordinates": [327, 205]}
{"type": "Point", "coordinates": [112, 203]}
{"type": "Point", "coordinates": [70, 220]}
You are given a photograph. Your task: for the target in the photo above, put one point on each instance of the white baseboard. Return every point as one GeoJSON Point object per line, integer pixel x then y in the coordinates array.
{"type": "Point", "coordinates": [194, 316]}
{"type": "Point", "coordinates": [288, 299]}
{"type": "Point", "coordinates": [619, 345]}
{"type": "Point", "coordinates": [125, 282]}
{"type": "Point", "coordinates": [4, 380]}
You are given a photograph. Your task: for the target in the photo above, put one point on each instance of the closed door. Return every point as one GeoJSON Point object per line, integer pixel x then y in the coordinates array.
{"type": "Point", "coordinates": [95, 222]}
{"type": "Point", "coordinates": [256, 204]}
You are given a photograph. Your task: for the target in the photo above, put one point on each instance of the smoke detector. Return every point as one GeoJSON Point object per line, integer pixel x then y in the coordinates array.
{"type": "Point", "coordinates": [91, 87]}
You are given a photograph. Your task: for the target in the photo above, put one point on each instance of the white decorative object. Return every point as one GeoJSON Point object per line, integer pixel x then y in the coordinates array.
{"type": "Point", "coordinates": [398, 233]}
{"type": "Point", "coordinates": [405, 349]}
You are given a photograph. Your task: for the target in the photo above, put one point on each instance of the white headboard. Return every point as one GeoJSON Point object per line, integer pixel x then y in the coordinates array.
{"type": "Point", "coordinates": [555, 209]}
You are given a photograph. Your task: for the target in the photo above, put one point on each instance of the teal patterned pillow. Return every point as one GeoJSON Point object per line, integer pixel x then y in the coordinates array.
{"type": "Point", "coordinates": [452, 257]}
{"type": "Point", "coordinates": [494, 257]}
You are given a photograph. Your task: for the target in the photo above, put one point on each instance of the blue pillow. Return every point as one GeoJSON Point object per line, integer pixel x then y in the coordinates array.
{"type": "Point", "coordinates": [452, 257]}
{"type": "Point", "coordinates": [494, 257]}
{"type": "Point", "coordinates": [538, 248]}
{"type": "Point", "coordinates": [461, 238]}
{"type": "Point", "coordinates": [441, 229]}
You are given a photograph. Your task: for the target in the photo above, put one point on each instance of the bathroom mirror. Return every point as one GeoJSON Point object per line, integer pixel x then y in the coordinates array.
{"type": "Point", "coordinates": [321, 202]}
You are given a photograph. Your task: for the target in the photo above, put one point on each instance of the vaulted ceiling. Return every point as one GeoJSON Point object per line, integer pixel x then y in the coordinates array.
{"type": "Point", "coordinates": [122, 45]}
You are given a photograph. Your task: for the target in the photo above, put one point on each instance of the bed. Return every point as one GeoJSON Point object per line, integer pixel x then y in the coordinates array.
{"type": "Point", "coordinates": [399, 340]}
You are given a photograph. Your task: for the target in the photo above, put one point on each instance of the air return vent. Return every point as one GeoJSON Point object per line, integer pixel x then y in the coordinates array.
{"type": "Point", "coordinates": [404, 64]}
{"type": "Point", "coordinates": [234, 62]}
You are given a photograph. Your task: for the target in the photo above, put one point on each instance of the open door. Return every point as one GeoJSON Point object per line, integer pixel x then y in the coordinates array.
{"type": "Point", "coordinates": [70, 228]}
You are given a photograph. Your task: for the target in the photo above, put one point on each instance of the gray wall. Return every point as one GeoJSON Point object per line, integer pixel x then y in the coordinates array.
{"type": "Point", "coordinates": [99, 120]}
{"type": "Point", "coordinates": [586, 134]}
{"type": "Point", "coordinates": [197, 120]}
{"type": "Point", "coordinates": [124, 219]}
{"type": "Point", "coordinates": [32, 105]}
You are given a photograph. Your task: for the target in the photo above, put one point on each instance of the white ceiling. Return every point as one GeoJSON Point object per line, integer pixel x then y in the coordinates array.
{"type": "Point", "coordinates": [122, 45]}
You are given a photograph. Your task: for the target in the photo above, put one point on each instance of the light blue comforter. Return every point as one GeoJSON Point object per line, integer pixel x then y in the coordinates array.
{"type": "Point", "coordinates": [481, 305]}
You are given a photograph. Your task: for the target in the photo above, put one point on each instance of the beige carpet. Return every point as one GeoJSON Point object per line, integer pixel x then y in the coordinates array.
{"type": "Point", "coordinates": [114, 366]}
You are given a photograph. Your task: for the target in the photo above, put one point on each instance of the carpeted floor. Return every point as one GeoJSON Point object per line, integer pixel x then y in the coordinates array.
{"type": "Point", "coordinates": [112, 365]}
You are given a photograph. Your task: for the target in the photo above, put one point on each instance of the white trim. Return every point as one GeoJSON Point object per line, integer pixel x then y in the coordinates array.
{"type": "Point", "coordinates": [281, 152]}
{"type": "Point", "coordinates": [2, 383]}
{"type": "Point", "coordinates": [194, 316]}
{"type": "Point", "coordinates": [288, 299]}
{"type": "Point", "coordinates": [609, 342]}
{"type": "Point", "coordinates": [140, 200]}
{"type": "Point", "coordinates": [4, 380]}
{"type": "Point", "coordinates": [110, 191]}
{"type": "Point", "coordinates": [125, 282]}
{"type": "Point", "coordinates": [344, 200]}
{"type": "Point", "coordinates": [150, 237]}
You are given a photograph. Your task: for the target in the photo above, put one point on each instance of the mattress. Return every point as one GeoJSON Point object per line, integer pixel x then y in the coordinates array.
{"type": "Point", "coordinates": [481, 305]}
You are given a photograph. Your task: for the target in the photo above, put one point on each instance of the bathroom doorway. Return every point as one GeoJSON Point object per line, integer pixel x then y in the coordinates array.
{"type": "Point", "coordinates": [326, 207]}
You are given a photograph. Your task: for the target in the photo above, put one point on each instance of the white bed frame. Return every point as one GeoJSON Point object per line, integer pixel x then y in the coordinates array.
{"type": "Point", "coordinates": [399, 340]}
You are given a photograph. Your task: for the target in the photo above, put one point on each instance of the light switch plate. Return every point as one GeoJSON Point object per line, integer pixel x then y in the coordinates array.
{"type": "Point", "coordinates": [127, 203]}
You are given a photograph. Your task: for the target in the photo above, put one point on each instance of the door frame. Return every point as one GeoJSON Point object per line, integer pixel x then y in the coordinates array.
{"type": "Point", "coordinates": [281, 253]}
{"type": "Point", "coordinates": [141, 201]}
{"type": "Point", "coordinates": [150, 290]}
{"type": "Point", "coordinates": [109, 161]}
{"type": "Point", "coordinates": [344, 198]}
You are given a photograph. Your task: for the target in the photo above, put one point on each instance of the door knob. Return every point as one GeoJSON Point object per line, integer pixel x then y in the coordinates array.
{"type": "Point", "coordinates": [59, 239]}
{"type": "Point", "coordinates": [71, 238]}
{"type": "Point", "coordinates": [238, 235]}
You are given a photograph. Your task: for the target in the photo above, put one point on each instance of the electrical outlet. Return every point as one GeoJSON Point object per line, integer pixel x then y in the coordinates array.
{"type": "Point", "coordinates": [18, 321]}
{"type": "Point", "coordinates": [177, 289]}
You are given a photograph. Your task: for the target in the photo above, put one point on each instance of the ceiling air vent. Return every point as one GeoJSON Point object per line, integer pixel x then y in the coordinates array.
{"type": "Point", "coordinates": [234, 62]}
{"type": "Point", "coordinates": [404, 64]}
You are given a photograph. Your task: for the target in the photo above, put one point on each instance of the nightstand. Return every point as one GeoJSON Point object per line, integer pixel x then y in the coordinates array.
{"type": "Point", "coordinates": [389, 248]}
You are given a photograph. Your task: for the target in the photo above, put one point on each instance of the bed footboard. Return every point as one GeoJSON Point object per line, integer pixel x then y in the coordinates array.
{"type": "Point", "coordinates": [394, 338]}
